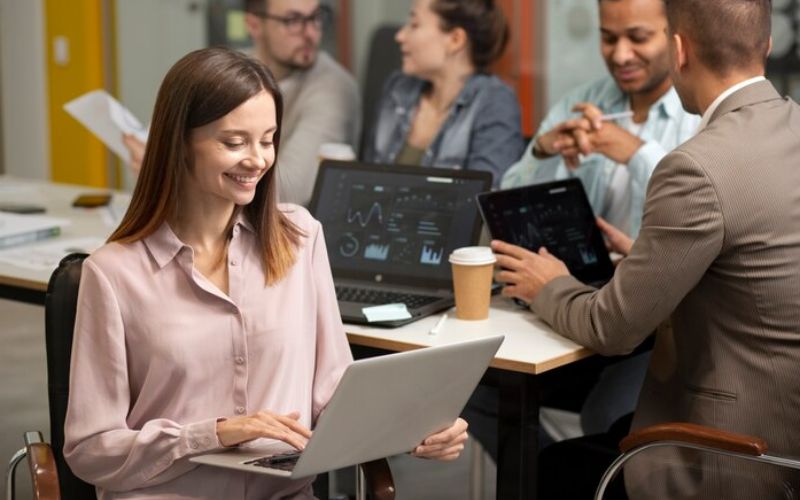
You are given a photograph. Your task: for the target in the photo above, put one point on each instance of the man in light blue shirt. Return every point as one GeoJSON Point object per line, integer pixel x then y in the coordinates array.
{"type": "Point", "coordinates": [614, 159]}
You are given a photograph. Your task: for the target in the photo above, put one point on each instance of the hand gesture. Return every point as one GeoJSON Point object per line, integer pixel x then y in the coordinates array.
{"type": "Point", "coordinates": [264, 424]}
{"type": "Point", "coordinates": [525, 273]}
{"type": "Point", "coordinates": [444, 445]}
{"type": "Point", "coordinates": [605, 138]}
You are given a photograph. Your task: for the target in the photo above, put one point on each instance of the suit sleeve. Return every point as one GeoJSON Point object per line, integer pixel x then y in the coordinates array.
{"type": "Point", "coordinates": [99, 445]}
{"type": "Point", "coordinates": [682, 234]}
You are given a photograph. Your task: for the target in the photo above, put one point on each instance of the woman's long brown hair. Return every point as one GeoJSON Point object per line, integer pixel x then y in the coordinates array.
{"type": "Point", "coordinates": [202, 87]}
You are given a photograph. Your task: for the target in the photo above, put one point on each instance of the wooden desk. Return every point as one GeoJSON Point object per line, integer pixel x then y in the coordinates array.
{"type": "Point", "coordinates": [530, 349]}
{"type": "Point", "coordinates": [29, 285]}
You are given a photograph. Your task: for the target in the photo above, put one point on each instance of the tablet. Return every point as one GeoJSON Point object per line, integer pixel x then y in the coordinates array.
{"type": "Point", "coordinates": [555, 215]}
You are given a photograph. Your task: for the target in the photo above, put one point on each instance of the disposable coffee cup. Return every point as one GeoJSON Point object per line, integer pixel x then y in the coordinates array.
{"type": "Point", "coordinates": [472, 281]}
{"type": "Point", "coordinates": [336, 151]}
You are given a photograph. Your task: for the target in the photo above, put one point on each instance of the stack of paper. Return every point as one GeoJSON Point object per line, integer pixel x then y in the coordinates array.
{"type": "Point", "coordinates": [107, 119]}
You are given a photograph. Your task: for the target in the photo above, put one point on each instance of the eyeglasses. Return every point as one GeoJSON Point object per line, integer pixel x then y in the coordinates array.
{"type": "Point", "coordinates": [296, 23]}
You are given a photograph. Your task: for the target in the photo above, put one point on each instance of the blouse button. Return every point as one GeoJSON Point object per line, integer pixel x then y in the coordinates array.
{"type": "Point", "coordinates": [239, 360]}
{"type": "Point", "coordinates": [240, 409]}
{"type": "Point", "coordinates": [233, 262]}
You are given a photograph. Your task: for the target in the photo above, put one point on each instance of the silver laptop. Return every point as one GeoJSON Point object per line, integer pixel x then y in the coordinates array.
{"type": "Point", "coordinates": [389, 230]}
{"type": "Point", "coordinates": [382, 406]}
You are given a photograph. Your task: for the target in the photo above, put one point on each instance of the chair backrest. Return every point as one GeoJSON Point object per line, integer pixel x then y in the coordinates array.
{"type": "Point", "coordinates": [59, 311]}
{"type": "Point", "coordinates": [383, 58]}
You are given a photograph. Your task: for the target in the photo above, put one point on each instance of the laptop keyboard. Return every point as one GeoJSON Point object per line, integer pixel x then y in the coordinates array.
{"type": "Point", "coordinates": [281, 461]}
{"type": "Point", "coordinates": [380, 297]}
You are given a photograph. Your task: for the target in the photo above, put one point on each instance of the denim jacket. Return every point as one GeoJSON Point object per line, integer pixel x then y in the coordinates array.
{"type": "Point", "coordinates": [481, 132]}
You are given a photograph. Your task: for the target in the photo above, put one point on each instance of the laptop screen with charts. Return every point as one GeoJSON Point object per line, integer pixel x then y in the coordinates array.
{"type": "Point", "coordinates": [555, 215]}
{"type": "Point", "coordinates": [383, 406]}
{"type": "Point", "coordinates": [389, 230]}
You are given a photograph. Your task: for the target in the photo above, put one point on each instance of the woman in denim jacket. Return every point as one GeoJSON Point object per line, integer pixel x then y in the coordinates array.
{"type": "Point", "coordinates": [444, 109]}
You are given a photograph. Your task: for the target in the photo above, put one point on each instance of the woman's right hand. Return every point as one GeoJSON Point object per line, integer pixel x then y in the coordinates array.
{"type": "Point", "coordinates": [264, 424]}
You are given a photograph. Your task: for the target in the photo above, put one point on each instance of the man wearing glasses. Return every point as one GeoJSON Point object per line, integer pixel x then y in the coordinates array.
{"type": "Point", "coordinates": [321, 100]}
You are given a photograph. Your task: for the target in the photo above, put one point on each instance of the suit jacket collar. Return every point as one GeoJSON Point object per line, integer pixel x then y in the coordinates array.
{"type": "Point", "coordinates": [752, 94]}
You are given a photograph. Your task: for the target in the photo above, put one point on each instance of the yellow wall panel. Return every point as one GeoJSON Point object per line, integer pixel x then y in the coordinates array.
{"type": "Point", "coordinates": [75, 58]}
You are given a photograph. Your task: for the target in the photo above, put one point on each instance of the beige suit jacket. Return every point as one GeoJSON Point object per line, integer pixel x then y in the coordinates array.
{"type": "Point", "coordinates": [719, 253]}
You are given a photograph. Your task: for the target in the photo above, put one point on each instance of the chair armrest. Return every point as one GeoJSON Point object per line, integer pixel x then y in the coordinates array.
{"type": "Point", "coordinates": [695, 434]}
{"type": "Point", "coordinates": [378, 476]}
{"type": "Point", "coordinates": [44, 474]}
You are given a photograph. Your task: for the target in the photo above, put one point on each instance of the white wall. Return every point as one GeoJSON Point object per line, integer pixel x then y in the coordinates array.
{"type": "Point", "coordinates": [23, 103]}
{"type": "Point", "coordinates": [572, 46]}
{"type": "Point", "coordinates": [151, 36]}
{"type": "Point", "coordinates": [368, 15]}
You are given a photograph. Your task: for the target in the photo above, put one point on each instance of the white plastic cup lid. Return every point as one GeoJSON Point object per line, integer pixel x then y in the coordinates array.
{"type": "Point", "coordinates": [472, 256]}
{"type": "Point", "coordinates": [336, 151]}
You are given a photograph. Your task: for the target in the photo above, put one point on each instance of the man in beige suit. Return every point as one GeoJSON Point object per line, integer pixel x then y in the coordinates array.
{"type": "Point", "coordinates": [718, 253]}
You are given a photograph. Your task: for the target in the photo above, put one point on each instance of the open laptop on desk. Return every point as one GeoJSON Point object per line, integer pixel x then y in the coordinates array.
{"type": "Point", "coordinates": [389, 230]}
{"type": "Point", "coordinates": [382, 406]}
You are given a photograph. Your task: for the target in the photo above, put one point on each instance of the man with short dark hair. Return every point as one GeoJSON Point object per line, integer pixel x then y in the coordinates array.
{"type": "Point", "coordinates": [321, 101]}
{"type": "Point", "coordinates": [614, 160]}
{"type": "Point", "coordinates": [718, 252]}
{"type": "Point", "coordinates": [320, 98]}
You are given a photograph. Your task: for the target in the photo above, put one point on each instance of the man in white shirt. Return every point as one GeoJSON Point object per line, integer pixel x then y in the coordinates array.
{"type": "Point", "coordinates": [320, 98]}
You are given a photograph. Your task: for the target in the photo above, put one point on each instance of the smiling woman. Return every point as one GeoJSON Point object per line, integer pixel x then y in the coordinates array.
{"type": "Point", "coordinates": [209, 320]}
{"type": "Point", "coordinates": [205, 97]}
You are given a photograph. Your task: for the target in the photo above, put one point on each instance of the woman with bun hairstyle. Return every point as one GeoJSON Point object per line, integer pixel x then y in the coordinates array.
{"type": "Point", "coordinates": [444, 109]}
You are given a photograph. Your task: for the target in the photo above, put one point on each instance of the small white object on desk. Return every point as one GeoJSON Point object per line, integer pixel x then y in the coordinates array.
{"type": "Point", "coordinates": [386, 312]}
{"type": "Point", "coordinates": [439, 324]}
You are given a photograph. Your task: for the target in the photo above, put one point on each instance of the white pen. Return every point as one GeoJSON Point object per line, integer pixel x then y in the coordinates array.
{"type": "Point", "coordinates": [438, 327]}
{"type": "Point", "coordinates": [616, 116]}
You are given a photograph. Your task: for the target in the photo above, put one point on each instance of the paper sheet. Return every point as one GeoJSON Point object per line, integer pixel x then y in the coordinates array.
{"type": "Point", "coordinates": [106, 118]}
{"type": "Point", "coordinates": [46, 256]}
{"type": "Point", "coordinates": [386, 312]}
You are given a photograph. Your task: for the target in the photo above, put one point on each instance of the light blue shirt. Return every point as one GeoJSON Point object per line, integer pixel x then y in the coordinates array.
{"type": "Point", "coordinates": [667, 126]}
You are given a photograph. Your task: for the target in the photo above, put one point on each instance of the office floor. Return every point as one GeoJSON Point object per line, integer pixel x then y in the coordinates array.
{"type": "Point", "coordinates": [23, 407]}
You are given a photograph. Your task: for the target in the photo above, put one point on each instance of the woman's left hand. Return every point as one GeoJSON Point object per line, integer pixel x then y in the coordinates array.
{"type": "Point", "coordinates": [444, 445]}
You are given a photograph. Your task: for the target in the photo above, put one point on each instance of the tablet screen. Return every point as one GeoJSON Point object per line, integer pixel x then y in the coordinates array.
{"type": "Point", "coordinates": [555, 215]}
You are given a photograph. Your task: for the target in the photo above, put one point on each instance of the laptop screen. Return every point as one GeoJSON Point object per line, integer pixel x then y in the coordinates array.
{"type": "Point", "coordinates": [555, 215]}
{"type": "Point", "coordinates": [396, 223]}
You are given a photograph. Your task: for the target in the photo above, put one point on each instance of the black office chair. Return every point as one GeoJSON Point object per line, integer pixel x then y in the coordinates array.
{"type": "Point", "coordinates": [52, 479]}
{"type": "Point", "coordinates": [383, 59]}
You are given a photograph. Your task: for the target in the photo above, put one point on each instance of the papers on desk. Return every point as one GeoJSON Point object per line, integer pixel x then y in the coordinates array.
{"type": "Point", "coordinates": [18, 229]}
{"type": "Point", "coordinates": [46, 256]}
{"type": "Point", "coordinates": [386, 312]}
{"type": "Point", "coordinates": [106, 118]}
